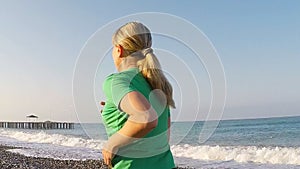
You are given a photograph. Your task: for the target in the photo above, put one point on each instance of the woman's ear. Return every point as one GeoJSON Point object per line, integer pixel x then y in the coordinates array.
{"type": "Point", "coordinates": [120, 51]}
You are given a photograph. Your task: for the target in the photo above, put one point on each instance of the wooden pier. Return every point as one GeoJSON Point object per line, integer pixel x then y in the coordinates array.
{"type": "Point", "coordinates": [37, 125]}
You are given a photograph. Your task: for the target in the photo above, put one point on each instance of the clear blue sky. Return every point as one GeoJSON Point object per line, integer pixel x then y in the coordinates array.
{"type": "Point", "coordinates": [258, 43]}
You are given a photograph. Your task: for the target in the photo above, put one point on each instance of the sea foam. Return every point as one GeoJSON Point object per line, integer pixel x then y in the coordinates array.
{"type": "Point", "coordinates": [56, 139]}
{"type": "Point", "coordinates": [242, 154]}
{"type": "Point", "coordinates": [61, 146]}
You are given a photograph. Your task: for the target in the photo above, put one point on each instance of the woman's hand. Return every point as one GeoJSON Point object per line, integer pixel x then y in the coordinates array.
{"type": "Point", "coordinates": [108, 153]}
{"type": "Point", "coordinates": [102, 103]}
{"type": "Point", "coordinates": [107, 157]}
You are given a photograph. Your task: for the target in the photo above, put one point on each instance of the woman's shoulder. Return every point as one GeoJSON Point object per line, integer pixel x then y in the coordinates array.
{"type": "Point", "coordinates": [127, 74]}
{"type": "Point", "coordinates": [123, 74]}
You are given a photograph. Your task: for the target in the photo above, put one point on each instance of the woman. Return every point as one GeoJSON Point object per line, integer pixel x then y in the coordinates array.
{"type": "Point", "coordinates": [138, 100]}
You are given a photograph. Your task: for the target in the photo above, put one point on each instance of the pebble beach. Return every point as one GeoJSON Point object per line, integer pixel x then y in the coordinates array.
{"type": "Point", "coordinates": [10, 160]}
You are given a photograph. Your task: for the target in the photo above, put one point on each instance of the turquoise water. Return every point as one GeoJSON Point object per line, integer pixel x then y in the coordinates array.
{"type": "Point", "coordinates": [283, 132]}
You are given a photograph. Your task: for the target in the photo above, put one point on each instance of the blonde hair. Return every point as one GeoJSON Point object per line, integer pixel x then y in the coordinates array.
{"type": "Point", "coordinates": [135, 39]}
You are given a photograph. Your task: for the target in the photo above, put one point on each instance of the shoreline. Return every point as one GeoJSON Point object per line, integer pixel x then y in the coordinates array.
{"type": "Point", "coordinates": [11, 160]}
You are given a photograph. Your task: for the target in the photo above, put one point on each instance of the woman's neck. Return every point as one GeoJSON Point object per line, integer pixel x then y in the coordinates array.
{"type": "Point", "coordinates": [127, 63]}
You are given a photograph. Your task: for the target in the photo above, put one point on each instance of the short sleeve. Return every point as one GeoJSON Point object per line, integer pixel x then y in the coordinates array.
{"type": "Point", "coordinates": [120, 86]}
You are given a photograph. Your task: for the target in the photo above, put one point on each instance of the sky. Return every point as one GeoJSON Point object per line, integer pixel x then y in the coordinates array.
{"type": "Point", "coordinates": [257, 43]}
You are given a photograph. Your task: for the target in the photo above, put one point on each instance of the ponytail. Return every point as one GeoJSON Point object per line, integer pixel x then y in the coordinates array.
{"type": "Point", "coordinates": [151, 70]}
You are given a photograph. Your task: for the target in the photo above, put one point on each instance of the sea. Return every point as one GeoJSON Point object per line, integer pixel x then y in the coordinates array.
{"type": "Point", "coordinates": [267, 143]}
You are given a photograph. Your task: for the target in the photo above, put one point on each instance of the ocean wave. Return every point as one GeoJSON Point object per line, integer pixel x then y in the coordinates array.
{"type": "Point", "coordinates": [241, 154]}
{"type": "Point", "coordinates": [56, 139]}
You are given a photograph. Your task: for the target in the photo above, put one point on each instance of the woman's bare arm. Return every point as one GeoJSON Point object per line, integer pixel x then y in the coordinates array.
{"type": "Point", "coordinates": [142, 119]}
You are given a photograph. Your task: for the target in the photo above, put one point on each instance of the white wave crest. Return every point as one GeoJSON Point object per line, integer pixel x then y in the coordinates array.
{"type": "Point", "coordinates": [240, 154]}
{"type": "Point", "coordinates": [56, 139]}
{"type": "Point", "coordinates": [271, 155]}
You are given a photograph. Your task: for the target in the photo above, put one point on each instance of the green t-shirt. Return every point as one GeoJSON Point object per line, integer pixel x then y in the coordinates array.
{"type": "Point", "coordinates": [152, 151]}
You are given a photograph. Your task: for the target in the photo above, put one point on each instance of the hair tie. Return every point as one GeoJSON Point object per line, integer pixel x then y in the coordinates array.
{"type": "Point", "coordinates": [147, 51]}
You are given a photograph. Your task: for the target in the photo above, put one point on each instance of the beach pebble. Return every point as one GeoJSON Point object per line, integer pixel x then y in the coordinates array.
{"type": "Point", "coordinates": [11, 160]}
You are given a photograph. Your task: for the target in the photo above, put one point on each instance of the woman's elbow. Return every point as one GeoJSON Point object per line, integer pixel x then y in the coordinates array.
{"type": "Point", "coordinates": [151, 125]}
{"type": "Point", "coordinates": [151, 120]}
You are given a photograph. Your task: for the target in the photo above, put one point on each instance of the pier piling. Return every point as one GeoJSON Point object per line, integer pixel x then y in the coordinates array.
{"type": "Point", "coordinates": [37, 125]}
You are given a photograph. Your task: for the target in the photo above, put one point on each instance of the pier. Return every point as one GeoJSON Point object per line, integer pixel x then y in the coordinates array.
{"type": "Point", "coordinates": [37, 125]}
